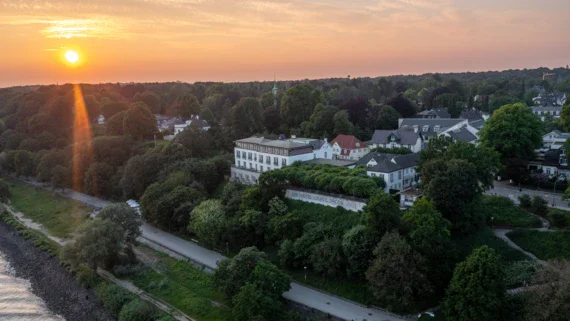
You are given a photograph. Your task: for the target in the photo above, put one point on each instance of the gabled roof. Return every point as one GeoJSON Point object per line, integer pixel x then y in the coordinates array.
{"type": "Point", "coordinates": [387, 163]}
{"type": "Point", "coordinates": [443, 124]}
{"type": "Point", "coordinates": [436, 112]}
{"type": "Point", "coordinates": [348, 142]}
{"type": "Point", "coordinates": [462, 134]}
{"type": "Point", "coordinates": [196, 121]}
{"type": "Point", "coordinates": [478, 124]}
{"type": "Point", "coordinates": [403, 136]}
{"type": "Point", "coordinates": [472, 115]}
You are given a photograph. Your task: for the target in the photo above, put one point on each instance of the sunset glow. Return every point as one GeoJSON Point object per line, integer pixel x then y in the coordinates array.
{"type": "Point", "coordinates": [71, 56]}
{"type": "Point", "coordinates": [226, 40]}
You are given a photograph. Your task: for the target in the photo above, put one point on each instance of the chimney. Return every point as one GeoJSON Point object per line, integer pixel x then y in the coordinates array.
{"type": "Point", "coordinates": [198, 117]}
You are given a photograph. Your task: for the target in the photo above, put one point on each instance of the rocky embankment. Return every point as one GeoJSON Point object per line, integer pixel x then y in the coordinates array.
{"type": "Point", "coordinates": [50, 281]}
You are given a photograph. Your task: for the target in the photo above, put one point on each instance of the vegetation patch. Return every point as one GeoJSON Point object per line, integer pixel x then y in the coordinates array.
{"type": "Point", "coordinates": [544, 245]}
{"type": "Point", "coordinates": [558, 218]}
{"type": "Point", "coordinates": [505, 213]}
{"type": "Point", "coordinates": [466, 244]}
{"type": "Point", "coordinates": [59, 215]}
{"type": "Point", "coordinates": [339, 217]}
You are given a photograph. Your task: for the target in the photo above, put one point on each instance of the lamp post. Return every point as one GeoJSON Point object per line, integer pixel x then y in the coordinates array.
{"type": "Point", "coordinates": [305, 267]}
{"type": "Point", "coordinates": [554, 191]}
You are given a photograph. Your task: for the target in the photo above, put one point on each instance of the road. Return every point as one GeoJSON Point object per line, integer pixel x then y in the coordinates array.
{"type": "Point", "coordinates": [340, 308]}
{"type": "Point", "coordinates": [512, 192]}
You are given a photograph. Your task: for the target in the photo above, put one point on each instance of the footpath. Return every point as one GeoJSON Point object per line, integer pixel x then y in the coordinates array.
{"type": "Point", "coordinates": [303, 295]}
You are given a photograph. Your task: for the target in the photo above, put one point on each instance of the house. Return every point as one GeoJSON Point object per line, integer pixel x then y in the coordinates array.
{"type": "Point", "coordinates": [348, 147]}
{"type": "Point", "coordinates": [555, 163]}
{"type": "Point", "coordinates": [456, 128]}
{"type": "Point", "coordinates": [554, 99]}
{"type": "Point", "coordinates": [552, 141]}
{"type": "Point", "coordinates": [101, 119]}
{"type": "Point", "coordinates": [472, 115]}
{"type": "Point", "coordinates": [193, 121]}
{"type": "Point", "coordinates": [396, 139]}
{"type": "Point", "coordinates": [409, 196]}
{"type": "Point", "coordinates": [167, 123]}
{"type": "Point", "coordinates": [398, 171]}
{"type": "Point", "coordinates": [437, 113]}
{"type": "Point", "coordinates": [542, 111]}
{"type": "Point", "coordinates": [255, 155]}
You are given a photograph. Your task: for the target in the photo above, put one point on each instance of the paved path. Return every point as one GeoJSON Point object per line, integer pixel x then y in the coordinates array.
{"type": "Point", "coordinates": [505, 189]}
{"type": "Point", "coordinates": [502, 234]}
{"type": "Point", "coordinates": [306, 296]}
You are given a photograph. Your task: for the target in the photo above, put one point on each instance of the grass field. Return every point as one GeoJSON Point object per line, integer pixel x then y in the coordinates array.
{"type": "Point", "coordinates": [340, 218]}
{"type": "Point", "coordinates": [59, 215]}
{"type": "Point", "coordinates": [506, 214]}
{"type": "Point", "coordinates": [185, 287]}
{"type": "Point", "coordinates": [544, 245]}
{"type": "Point", "coordinates": [466, 244]}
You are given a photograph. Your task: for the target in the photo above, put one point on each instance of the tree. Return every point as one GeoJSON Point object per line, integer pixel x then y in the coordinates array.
{"type": "Point", "coordinates": [341, 124]}
{"type": "Point", "coordinates": [513, 131]}
{"type": "Point", "coordinates": [24, 163]}
{"type": "Point", "coordinates": [197, 142]}
{"type": "Point", "coordinates": [387, 118]}
{"type": "Point", "coordinates": [138, 310]}
{"type": "Point", "coordinates": [139, 173]}
{"type": "Point", "coordinates": [98, 180]}
{"type": "Point", "coordinates": [139, 122]}
{"type": "Point", "coordinates": [270, 280]}
{"type": "Point", "coordinates": [4, 191]}
{"type": "Point", "coordinates": [396, 274]}
{"type": "Point", "coordinates": [359, 112]}
{"type": "Point", "coordinates": [328, 258]}
{"type": "Point", "coordinates": [125, 217]}
{"type": "Point", "coordinates": [298, 103]}
{"type": "Point", "coordinates": [47, 163]}
{"type": "Point", "coordinates": [96, 243]}
{"type": "Point", "coordinates": [110, 109]}
{"type": "Point", "coordinates": [381, 214]}
{"type": "Point", "coordinates": [151, 99]}
{"type": "Point", "coordinates": [272, 119]}
{"type": "Point", "coordinates": [233, 273]}
{"type": "Point", "coordinates": [186, 106]}
{"type": "Point", "coordinates": [247, 117]}
{"type": "Point", "coordinates": [323, 123]}
{"type": "Point", "coordinates": [60, 177]}
{"type": "Point", "coordinates": [209, 222]}
{"type": "Point", "coordinates": [548, 299]}
{"type": "Point", "coordinates": [114, 124]}
{"type": "Point", "coordinates": [402, 105]}
{"type": "Point", "coordinates": [357, 246]}
{"type": "Point", "coordinates": [251, 304]}
{"type": "Point", "coordinates": [477, 290]}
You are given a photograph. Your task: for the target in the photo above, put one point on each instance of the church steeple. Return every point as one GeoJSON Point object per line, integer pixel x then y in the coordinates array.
{"type": "Point", "coordinates": [274, 91]}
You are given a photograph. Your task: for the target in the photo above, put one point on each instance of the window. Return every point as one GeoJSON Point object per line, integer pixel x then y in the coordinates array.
{"type": "Point", "coordinates": [275, 161]}
{"type": "Point", "coordinates": [238, 154]}
{"type": "Point", "coordinates": [391, 177]}
{"type": "Point", "coordinates": [249, 156]}
{"type": "Point", "coordinates": [425, 128]}
{"type": "Point", "coordinates": [261, 168]}
{"type": "Point", "coordinates": [436, 128]}
{"type": "Point", "coordinates": [399, 175]}
{"type": "Point", "coordinates": [261, 159]}
{"type": "Point", "coordinates": [268, 160]}
{"type": "Point", "coordinates": [283, 161]}
{"type": "Point", "coordinates": [325, 154]}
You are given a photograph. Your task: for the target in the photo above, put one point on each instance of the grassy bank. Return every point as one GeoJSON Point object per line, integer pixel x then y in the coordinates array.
{"type": "Point", "coordinates": [544, 245]}
{"type": "Point", "coordinates": [184, 286]}
{"type": "Point", "coordinates": [506, 214]}
{"type": "Point", "coordinates": [558, 218]}
{"type": "Point", "coordinates": [59, 215]}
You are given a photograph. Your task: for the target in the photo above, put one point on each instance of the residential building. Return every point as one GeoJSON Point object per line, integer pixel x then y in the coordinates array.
{"type": "Point", "coordinates": [100, 119]}
{"type": "Point", "coordinates": [348, 147]}
{"type": "Point", "coordinates": [437, 113]}
{"type": "Point", "coordinates": [554, 99]}
{"type": "Point", "coordinates": [542, 111]}
{"type": "Point", "coordinates": [255, 155]}
{"type": "Point", "coordinates": [554, 164]}
{"type": "Point", "coordinates": [456, 128]}
{"type": "Point", "coordinates": [409, 196]}
{"type": "Point", "coordinates": [552, 141]}
{"type": "Point", "coordinates": [396, 139]}
{"type": "Point", "coordinates": [167, 123]}
{"type": "Point", "coordinates": [398, 171]}
{"type": "Point", "coordinates": [193, 121]}
{"type": "Point", "coordinates": [475, 118]}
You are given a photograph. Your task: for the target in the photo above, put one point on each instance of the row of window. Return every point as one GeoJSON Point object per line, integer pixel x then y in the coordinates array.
{"type": "Point", "coordinates": [263, 149]}
{"type": "Point", "coordinates": [254, 157]}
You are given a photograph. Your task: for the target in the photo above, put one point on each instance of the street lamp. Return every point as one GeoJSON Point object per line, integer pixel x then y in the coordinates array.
{"type": "Point", "coordinates": [554, 191]}
{"type": "Point", "coordinates": [305, 273]}
{"type": "Point", "coordinates": [492, 220]}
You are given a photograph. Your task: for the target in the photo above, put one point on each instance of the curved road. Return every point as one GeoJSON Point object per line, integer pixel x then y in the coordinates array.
{"type": "Point", "coordinates": [335, 306]}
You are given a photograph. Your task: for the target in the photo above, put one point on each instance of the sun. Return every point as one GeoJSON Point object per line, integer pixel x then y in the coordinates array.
{"type": "Point", "coordinates": [71, 56]}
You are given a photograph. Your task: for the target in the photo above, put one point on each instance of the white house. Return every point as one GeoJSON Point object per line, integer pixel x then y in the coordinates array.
{"type": "Point", "coordinates": [458, 129]}
{"type": "Point", "coordinates": [348, 147]}
{"type": "Point", "coordinates": [193, 121]}
{"type": "Point", "coordinates": [101, 119]}
{"type": "Point", "coordinates": [541, 111]}
{"type": "Point", "coordinates": [255, 155]}
{"type": "Point", "coordinates": [398, 171]}
{"type": "Point", "coordinates": [396, 139]}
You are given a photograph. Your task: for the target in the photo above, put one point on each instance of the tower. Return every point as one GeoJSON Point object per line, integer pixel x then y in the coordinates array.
{"type": "Point", "coordinates": [274, 91]}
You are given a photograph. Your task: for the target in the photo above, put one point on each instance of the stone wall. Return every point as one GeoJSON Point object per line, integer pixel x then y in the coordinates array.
{"type": "Point", "coordinates": [332, 200]}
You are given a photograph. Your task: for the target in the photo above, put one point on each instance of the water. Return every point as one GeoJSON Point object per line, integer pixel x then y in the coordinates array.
{"type": "Point", "coordinates": [17, 302]}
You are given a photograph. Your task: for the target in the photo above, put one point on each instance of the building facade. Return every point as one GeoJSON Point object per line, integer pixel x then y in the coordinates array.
{"type": "Point", "coordinates": [398, 171]}
{"type": "Point", "coordinates": [348, 147]}
{"type": "Point", "coordinates": [458, 129]}
{"type": "Point", "coordinates": [193, 121]}
{"type": "Point", "coordinates": [255, 155]}
{"type": "Point", "coordinates": [396, 139]}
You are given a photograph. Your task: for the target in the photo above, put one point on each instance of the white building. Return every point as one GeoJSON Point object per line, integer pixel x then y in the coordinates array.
{"type": "Point", "coordinates": [101, 119]}
{"type": "Point", "coordinates": [398, 171]}
{"type": "Point", "coordinates": [458, 129]}
{"type": "Point", "coordinates": [348, 147]}
{"type": "Point", "coordinates": [399, 138]}
{"type": "Point", "coordinates": [193, 121]}
{"type": "Point", "coordinates": [255, 155]}
{"type": "Point", "coordinates": [540, 111]}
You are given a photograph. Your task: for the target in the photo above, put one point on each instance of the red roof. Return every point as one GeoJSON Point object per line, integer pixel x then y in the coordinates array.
{"type": "Point", "coordinates": [347, 142]}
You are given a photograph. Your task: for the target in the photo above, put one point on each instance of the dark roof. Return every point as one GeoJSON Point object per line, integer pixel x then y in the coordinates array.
{"type": "Point", "coordinates": [196, 121]}
{"type": "Point", "coordinates": [547, 108]}
{"type": "Point", "coordinates": [431, 123]}
{"type": "Point", "coordinates": [478, 124]}
{"type": "Point", "coordinates": [462, 134]}
{"type": "Point", "coordinates": [471, 115]}
{"type": "Point", "coordinates": [387, 163]}
{"type": "Point", "coordinates": [333, 162]}
{"type": "Point", "coordinates": [552, 157]}
{"type": "Point", "coordinates": [273, 143]}
{"type": "Point", "coordinates": [403, 137]}
{"type": "Point", "coordinates": [435, 113]}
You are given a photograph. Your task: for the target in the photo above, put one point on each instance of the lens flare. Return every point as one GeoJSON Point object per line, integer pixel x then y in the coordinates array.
{"type": "Point", "coordinates": [81, 137]}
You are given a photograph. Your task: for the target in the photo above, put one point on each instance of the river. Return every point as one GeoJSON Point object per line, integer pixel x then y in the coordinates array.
{"type": "Point", "coordinates": [17, 301]}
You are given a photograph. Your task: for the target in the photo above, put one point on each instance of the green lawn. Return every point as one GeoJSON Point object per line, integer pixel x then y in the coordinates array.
{"type": "Point", "coordinates": [544, 245]}
{"type": "Point", "coordinates": [506, 214]}
{"type": "Point", "coordinates": [59, 215]}
{"type": "Point", "coordinates": [339, 218]}
{"type": "Point", "coordinates": [466, 244]}
{"type": "Point", "coordinates": [558, 218]}
{"type": "Point", "coordinates": [185, 287]}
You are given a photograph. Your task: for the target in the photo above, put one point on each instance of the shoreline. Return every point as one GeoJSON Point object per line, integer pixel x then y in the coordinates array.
{"type": "Point", "coordinates": [50, 281]}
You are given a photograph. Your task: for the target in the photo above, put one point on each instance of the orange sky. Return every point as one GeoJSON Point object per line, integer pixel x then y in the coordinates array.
{"type": "Point", "coordinates": [241, 40]}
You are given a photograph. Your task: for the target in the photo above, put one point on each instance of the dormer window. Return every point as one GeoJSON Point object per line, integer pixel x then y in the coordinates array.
{"type": "Point", "coordinates": [416, 127]}
{"type": "Point", "coordinates": [436, 128]}
{"type": "Point", "coordinates": [392, 138]}
{"type": "Point", "coordinates": [425, 128]}
{"type": "Point", "coordinates": [357, 144]}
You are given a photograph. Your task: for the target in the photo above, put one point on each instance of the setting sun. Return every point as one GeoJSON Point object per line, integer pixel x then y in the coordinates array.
{"type": "Point", "coordinates": [71, 56]}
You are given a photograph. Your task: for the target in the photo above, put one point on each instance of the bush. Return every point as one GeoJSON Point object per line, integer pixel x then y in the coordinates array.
{"type": "Point", "coordinates": [545, 245]}
{"type": "Point", "coordinates": [558, 220]}
{"type": "Point", "coordinates": [4, 191]}
{"type": "Point", "coordinates": [525, 201]}
{"type": "Point", "coordinates": [519, 273]}
{"type": "Point", "coordinates": [505, 213]}
{"type": "Point", "coordinates": [113, 297]}
{"type": "Point", "coordinates": [135, 270]}
{"type": "Point", "coordinates": [85, 277]}
{"type": "Point", "coordinates": [539, 206]}
{"type": "Point", "coordinates": [137, 310]}
{"type": "Point", "coordinates": [286, 253]}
